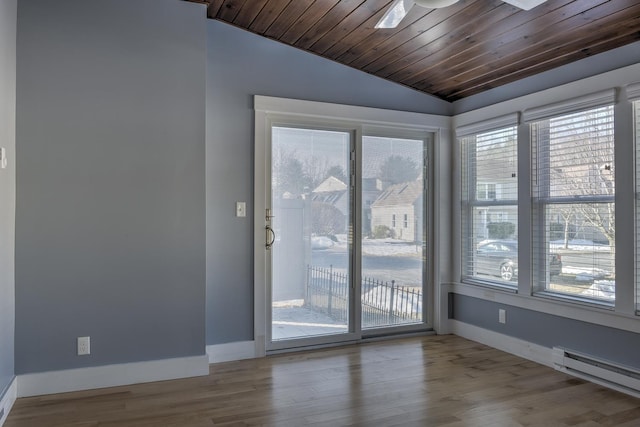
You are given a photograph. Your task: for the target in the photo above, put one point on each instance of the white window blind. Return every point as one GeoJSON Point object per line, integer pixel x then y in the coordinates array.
{"type": "Point", "coordinates": [490, 206]}
{"type": "Point", "coordinates": [574, 207]}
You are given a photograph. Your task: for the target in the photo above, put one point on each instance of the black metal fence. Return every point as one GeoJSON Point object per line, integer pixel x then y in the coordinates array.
{"type": "Point", "coordinates": [383, 303]}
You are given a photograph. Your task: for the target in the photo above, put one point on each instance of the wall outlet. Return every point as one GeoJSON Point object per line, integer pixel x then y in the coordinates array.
{"type": "Point", "coordinates": [84, 346]}
{"type": "Point", "coordinates": [502, 315]}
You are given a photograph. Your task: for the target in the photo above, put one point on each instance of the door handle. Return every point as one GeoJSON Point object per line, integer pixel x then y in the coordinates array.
{"type": "Point", "coordinates": [270, 234]}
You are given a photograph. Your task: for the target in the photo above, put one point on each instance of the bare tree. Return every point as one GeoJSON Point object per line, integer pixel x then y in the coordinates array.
{"type": "Point", "coordinates": [581, 161]}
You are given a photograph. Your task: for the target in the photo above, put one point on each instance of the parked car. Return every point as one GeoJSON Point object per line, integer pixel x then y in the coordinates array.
{"type": "Point", "coordinates": [321, 242]}
{"type": "Point", "coordinates": [500, 258]}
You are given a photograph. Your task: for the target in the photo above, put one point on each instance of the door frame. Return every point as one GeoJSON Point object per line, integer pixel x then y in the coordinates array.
{"type": "Point", "coordinates": [374, 122]}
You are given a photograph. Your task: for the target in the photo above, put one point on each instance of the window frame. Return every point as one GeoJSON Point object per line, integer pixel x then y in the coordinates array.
{"type": "Point", "coordinates": [470, 199]}
{"type": "Point", "coordinates": [542, 199]}
{"type": "Point", "coordinates": [633, 96]}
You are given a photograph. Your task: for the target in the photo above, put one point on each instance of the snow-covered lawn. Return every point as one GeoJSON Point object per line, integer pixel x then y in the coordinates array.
{"type": "Point", "coordinates": [585, 274]}
{"type": "Point", "coordinates": [291, 320]}
{"type": "Point", "coordinates": [579, 245]}
{"type": "Point", "coordinates": [382, 247]}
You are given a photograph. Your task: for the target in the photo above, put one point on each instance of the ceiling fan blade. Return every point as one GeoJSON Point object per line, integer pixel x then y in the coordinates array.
{"type": "Point", "coordinates": [525, 4]}
{"type": "Point", "coordinates": [396, 13]}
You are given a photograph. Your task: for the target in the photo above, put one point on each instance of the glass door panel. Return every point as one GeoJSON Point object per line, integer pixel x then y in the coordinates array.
{"type": "Point", "coordinates": [393, 230]}
{"type": "Point", "coordinates": [311, 204]}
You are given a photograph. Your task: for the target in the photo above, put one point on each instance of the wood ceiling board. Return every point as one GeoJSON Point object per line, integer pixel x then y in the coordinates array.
{"type": "Point", "coordinates": [249, 12]}
{"type": "Point", "coordinates": [421, 45]}
{"type": "Point", "coordinates": [575, 56]}
{"type": "Point", "coordinates": [268, 15]}
{"type": "Point", "coordinates": [377, 36]}
{"type": "Point", "coordinates": [214, 7]}
{"type": "Point", "coordinates": [482, 58]}
{"type": "Point", "coordinates": [417, 65]}
{"type": "Point", "coordinates": [308, 20]}
{"type": "Point", "coordinates": [506, 59]}
{"type": "Point", "coordinates": [230, 9]}
{"type": "Point", "coordinates": [618, 34]}
{"type": "Point", "coordinates": [400, 42]}
{"type": "Point", "coordinates": [345, 27]}
{"type": "Point", "coordinates": [423, 69]}
{"type": "Point", "coordinates": [287, 18]}
{"type": "Point", "coordinates": [453, 52]}
{"type": "Point", "coordinates": [328, 23]}
{"type": "Point", "coordinates": [356, 36]}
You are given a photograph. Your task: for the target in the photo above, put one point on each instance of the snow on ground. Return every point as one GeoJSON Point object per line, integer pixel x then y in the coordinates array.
{"type": "Point", "coordinates": [580, 245]}
{"type": "Point", "coordinates": [602, 289]}
{"type": "Point", "coordinates": [291, 320]}
{"type": "Point", "coordinates": [585, 274]}
{"type": "Point", "coordinates": [382, 247]}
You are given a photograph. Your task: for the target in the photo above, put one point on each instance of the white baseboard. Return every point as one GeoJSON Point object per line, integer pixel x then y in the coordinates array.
{"type": "Point", "coordinates": [506, 343]}
{"type": "Point", "coordinates": [232, 351]}
{"type": "Point", "coordinates": [111, 375]}
{"type": "Point", "coordinates": [7, 401]}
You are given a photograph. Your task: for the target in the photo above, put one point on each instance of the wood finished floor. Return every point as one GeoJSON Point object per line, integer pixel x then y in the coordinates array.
{"type": "Point", "coordinates": [426, 381]}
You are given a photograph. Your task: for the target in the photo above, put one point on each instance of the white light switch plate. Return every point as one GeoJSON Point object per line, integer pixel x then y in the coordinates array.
{"type": "Point", "coordinates": [3, 157]}
{"type": "Point", "coordinates": [241, 209]}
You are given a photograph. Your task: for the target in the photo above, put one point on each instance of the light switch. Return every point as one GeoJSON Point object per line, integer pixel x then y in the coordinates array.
{"type": "Point", "coordinates": [3, 158]}
{"type": "Point", "coordinates": [241, 209]}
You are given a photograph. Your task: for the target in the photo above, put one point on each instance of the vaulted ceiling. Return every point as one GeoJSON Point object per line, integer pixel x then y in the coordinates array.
{"type": "Point", "coordinates": [452, 52]}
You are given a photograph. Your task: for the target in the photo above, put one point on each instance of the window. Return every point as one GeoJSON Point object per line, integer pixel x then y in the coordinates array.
{"type": "Point", "coordinates": [486, 191]}
{"type": "Point", "coordinates": [393, 220]}
{"type": "Point", "coordinates": [490, 203]}
{"type": "Point", "coordinates": [573, 205]}
{"type": "Point", "coordinates": [406, 221]}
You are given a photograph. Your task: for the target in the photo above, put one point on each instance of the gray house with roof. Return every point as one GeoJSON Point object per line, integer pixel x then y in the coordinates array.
{"type": "Point", "coordinates": [399, 207]}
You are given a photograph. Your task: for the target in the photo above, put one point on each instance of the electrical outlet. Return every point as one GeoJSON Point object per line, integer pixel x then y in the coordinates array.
{"type": "Point", "coordinates": [84, 346]}
{"type": "Point", "coordinates": [502, 315]}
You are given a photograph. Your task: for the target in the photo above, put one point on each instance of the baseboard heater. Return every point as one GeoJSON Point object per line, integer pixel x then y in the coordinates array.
{"type": "Point", "coordinates": [603, 372]}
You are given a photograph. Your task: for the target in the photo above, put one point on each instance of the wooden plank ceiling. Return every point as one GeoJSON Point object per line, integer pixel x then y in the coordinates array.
{"type": "Point", "coordinates": [453, 52]}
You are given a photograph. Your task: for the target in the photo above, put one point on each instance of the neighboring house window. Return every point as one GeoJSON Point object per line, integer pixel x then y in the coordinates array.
{"type": "Point", "coordinates": [393, 220]}
{"type": "Point", "coordinates": [489, 240]}
{"type": "Point", "coordinates": [486, 191]}
{"type": "Point", "coordinates": [573, 184]}
{"type": "Point", "coordinates": [406, 221]}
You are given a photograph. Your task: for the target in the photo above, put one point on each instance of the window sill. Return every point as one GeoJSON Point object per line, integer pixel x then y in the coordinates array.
{"type": "Point", "coordinates": [600, 314]}
{"type": "Point", "coordinates": [586, 302]}
{"type": "Point", "coordinates": [492, 285]}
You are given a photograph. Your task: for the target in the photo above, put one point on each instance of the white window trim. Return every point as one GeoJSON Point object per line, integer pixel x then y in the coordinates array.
{"type": "Point", "coordinates": [473, 129]}
{"type": "Point", "coordinates": [633, 91]}
{"type": "Point", "coordinates": [507, 120]}
{"type": "Point", "coordinates": [623, 316]}
{"type": "Point", "coordinates": [370, 121]}
{"type": "Point", "coordinates": [586, 102]}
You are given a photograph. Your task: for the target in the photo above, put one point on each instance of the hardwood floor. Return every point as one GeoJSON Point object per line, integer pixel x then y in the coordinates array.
{"type": "Point", "coordinates": [427, 381]}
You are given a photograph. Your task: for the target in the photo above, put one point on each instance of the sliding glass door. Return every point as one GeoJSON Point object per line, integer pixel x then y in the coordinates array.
{"type": "Point", "coordinates": [311, 209]}
{"type": "Point", "coordinates": [345, 231]}
{"type": "Point", "coordinates": [393, 231]}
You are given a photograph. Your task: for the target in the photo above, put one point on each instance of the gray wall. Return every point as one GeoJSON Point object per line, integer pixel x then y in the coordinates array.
{"type": "Point", "coordinates": [548, 330]}
{"type": "Point", "coordinates": [591, 66]}
{"type": "Point", "coordinates": [240, 65]}
{"type": "Point", "coordinates": [7, 187]}
{"type": "Point", "coordinates": [110, 182]}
